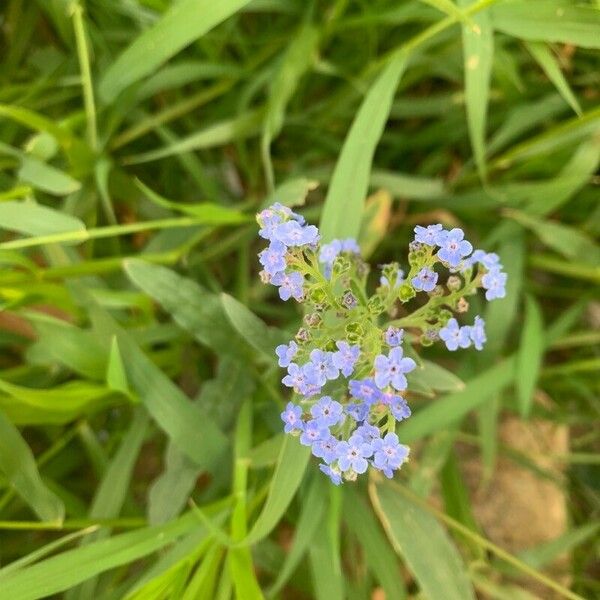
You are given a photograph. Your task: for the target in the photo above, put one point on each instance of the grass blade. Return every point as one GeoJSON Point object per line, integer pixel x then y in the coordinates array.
{"type": "Point", "coordinates": [531, 353]}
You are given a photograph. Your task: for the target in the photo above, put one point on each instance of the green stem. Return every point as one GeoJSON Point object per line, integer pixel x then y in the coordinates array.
{"type": "Point", "coordinates": [72, 524]}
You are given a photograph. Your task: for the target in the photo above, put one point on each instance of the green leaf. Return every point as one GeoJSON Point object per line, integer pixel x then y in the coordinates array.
{"type": "Point", "coordinates": [18, 465]}
{"type": "Point", "coordinates": [288, 474]}
{"type": "Point", "coordinates": [72, 567]}
{"type": "Point", "coordinates": [478, 50]}
{"type": "Point", "coordinates": [292, 192]}
{"type": "Point", "coordinates": [342, 211]}
{"type": "Point", "coordinates": [412, 187]}
{"type": "Point", "coordinates": [46, 177]}
{"type": "Point", "coordinates": [194, 309]}
{"type": "Point", "coordinates": [549, 21]}
{"type": "Point", "coordinates": [262, 338]}
{"type": "Point", "coordinates": [423, 543]}
{"type": "Point", "coordinates": [452, 408]}
{"type": "Point", "coordinates": [531, 353]}
{"type": "Point", "coordinates": [440, 379]}
{"type": "Point", "coordinates": [207, 213]}
{"type": "Point", "coordinates": [116, 379]}
{"type": "Point", "coordinates": [375, 222]}
{"type": "Point", "coordinates": [550, 66]}
{"type": "Point", "coordinates": [183, 23]}
{"type": "Point", "coordinates": [32, 219]}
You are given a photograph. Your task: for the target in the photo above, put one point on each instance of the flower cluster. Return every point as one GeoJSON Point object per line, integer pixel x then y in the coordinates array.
{"type": "Point", "coordinates": [350, 363]}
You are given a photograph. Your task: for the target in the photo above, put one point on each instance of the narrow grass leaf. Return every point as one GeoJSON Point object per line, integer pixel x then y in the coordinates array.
{"type": "Point", "coordinates": [549, 21]}
{"type": "Point", "coordinates": [411, 187]}
{"type": "Point", "coordinates": [423, 543]}
{"type": "Point", "coordinates": [544, 57]}
{"type": "Point", "coordinates": [183, 23]}
{"type": "Point", "coordinates": [287, 477]}
{"type": "Point", "coordinates": [531, 353]}
{"type": "Point", "coordinates": [33, 219]}
{"type": "Point", "coordinates": [18, 465]}
{"type": "Point", "coordinates": [375, 222]}
{"type": "Point", "coordinates": [47, 178]}
{"type": "Point", "coordinates": [478, 51]}
{"type": "Point", "coordinates": [342, 212]}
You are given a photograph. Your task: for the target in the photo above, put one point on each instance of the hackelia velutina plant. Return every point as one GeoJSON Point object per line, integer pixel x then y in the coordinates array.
{"type": "Point", "coordinates": [348, 364]}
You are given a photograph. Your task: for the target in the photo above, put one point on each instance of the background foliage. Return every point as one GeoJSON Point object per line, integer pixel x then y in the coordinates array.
{"type": "Point", "coordinates": [140, 445]}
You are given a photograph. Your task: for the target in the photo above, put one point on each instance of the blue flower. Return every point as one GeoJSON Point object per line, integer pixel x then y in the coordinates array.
{"type": "Point", "coordinates": [333, 473]}
{"type": "Point", "coordinates": [345, 358]}
{"type": "Point", "coordinates": [428, 235]}
{"type": "Point", "coordinates": [327, 411]}
{"type": "Point", "coordinates": [304, 380]}
{"type": "Point", "coordinates": [326, 448]}
{"type": "Point", "coordinates": [453, 247]}
{"type": "Point", "coordinates": [384, 281]}
{"type": "Point", "coordinates": [389, 454]}
{"type": "Point", "coordinates": [290, 285]}
{"type": "Point", "coordinates": [268, 220]}
{"type": "Point", "coordinates": [353, 454]}
{"type": "Point", "coordinates": [272, 258]}
{"type": "Point", "coordinates": [393, 336]}
{"type": "Point", "coordinates": [477, 333]}
{"type": "Point", "coordinates": [350, 245]}
{"type": "Point", "coordinates": [287, 212]}
{"type": "Point", "coordinates": [494, 282]}
{"type": "Point", "coordinates": [399, 408]}
{"type": "Point", "coordinates": [391, 369]}
{"type": "Point", "coordinates": [286, 353]}
{"type": "Point", "coordinates": [357, 411]}
{"type": "Point", "coordinates": [364, 389]}
{"type": "Point", "coordinates": [455, 336]}
{"type": "Point", "coordinates": [425, 280]}
{"type": "Point", "coordinates": [330, 251]}
{"type": "Point", "coordinates": [291, 233]}
{"type": "Point", "coordinates": [292, 417]}
{"type": "Point", "coordinates": [323, 363]}
{"type": "Point", "coordinates": [313, 432]}
{"type": "Point", "coordinates": [367, 432]}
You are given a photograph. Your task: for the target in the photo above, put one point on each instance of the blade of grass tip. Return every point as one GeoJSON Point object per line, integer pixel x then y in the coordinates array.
{"type": "Point", "coordinates": [478, 50]}
{"type": "Point", "coordinates": [183, 23]}
{"type": "Point", "coordinates": [18, 465]}
{"type": "Point", "coordinates": [530, 356]}
{"type": "Point", "coordinates": [418, 537]}
{"type": "Point", "coordinates": [543, 56]}
{"type": "Point", "coordinates": [83, 56]}
{"type": "Point", "coordinates": [343, 208]}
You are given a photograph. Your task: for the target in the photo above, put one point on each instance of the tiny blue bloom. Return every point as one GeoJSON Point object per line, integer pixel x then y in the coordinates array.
{"type": "Point", "coordinates": [327, 411]}
{"type": "Point", "coordinates": [268, 220]}
{"type": "Point", "coordinates": [399, 408]}
{"type": "Point", "coordinates": [291, 233]}
{"type": "Point", "coordinates": [364, 389]}
{"type": "Point", "coordinates": [453, 247]}
{"type": "Point", "coordinates": [393, 336]}
{"type": "Point", "coordinates": [313, 432]}
{"type": "Point", "coordinates": [389, 454]}
{"type": "Point", "coordinates": [357, 411]}
{"type": "Point", "coordinates": [292, 417]}
{"type": "Point", "coordinates": [391, 369]}
{"type": "Point", "coordinates": [367, 432]}
{"type": "Point", "coordinates": [428, 235]}
{"type": "Point", "coordinates": [353, 454]}
{"type": "Point", "coordinates": [330, 251]}
{"type": "Point", "coordinates": [455, 336]}
{"type": "Point", "coordinates": [350, 245]}
{"type": "Point", "coordinates": [384, 281]}
{"type": "Point", "coordinates": [286, 353]}
{"type": "Point", "coordinates": [494, 282]}
{"type": "Point", "coordinates": [290, 285]}
{"type": "Point", "coordinates": [323, 363]}
{"type": "Point", "coordinates": [326, 448]}
{"type": "Point", "coordinates": [332, 472]}
{"type": "Point", "coordinates": [425, 280]}
{"type": "Point", "coordinates": [477, 333]}
{"type": "Point", "coordinates": [345, 358]}
{"type": "Point", "coordinates": [272, 258]}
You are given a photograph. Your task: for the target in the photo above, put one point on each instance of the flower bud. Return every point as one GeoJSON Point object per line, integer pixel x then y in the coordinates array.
{"type": "Point", "coordinates": [454, 283]}
{"type": "Point", "coordinates": [406, 292]}
{"type": "Point", "coordinates": [462, 306]}
{"type": "Point", "coordinates": [376, 305]}
{"type": "Point", "coordinates": [317, 296]}
{"type": "Point", "coordinates": [313, 319]}
{"type": "Point", "coordinates": [438, 290]}
{"type": "Point", "coordinates": [349, 300]}
{"type": "Point", "coordinates": [264, 277]}
{"type": "Point", "coordinates": [303, 335]}
{"type": "Point", "coordinates": [341, 265]}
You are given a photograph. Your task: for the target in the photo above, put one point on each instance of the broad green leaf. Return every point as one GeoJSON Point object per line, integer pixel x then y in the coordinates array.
{"type": "Point", "coordinates": [531, 353]}
{"type": "Point", "coordinates": [550, 66]}
{"type": "Point", "coordinates": [72, 567]}
{"type": "Point", "coordinates": [183, 23]}
{"type": "Point", "coordinates": [343, 208]}
{"type": "Point", "coordinates": [46, 177]}
{"type": "Point", "coordinates": [262, 338]}
{"type": "Point", "coordinates": [18, 465]}
{"type": "Point", "coordinates": [292, 192]}
{"type": "Point", "coordinates": [328, 583]}
{"type": "Point", "coordinates": [378, 553]}
{"type": "Point", "coordinates": [440, 379]}
{"type": "Point", "coordinates": [33, 219]}
{"type": "Point", "coordinates": [207, 213]}
{"type": "Point", "coordinates": [567, 240]}
{"type": "Point", "coordinates": [423, 543]}
{"type": "Point", "coordinates": [411, 187]}
{"type": "Point", "coordinates": [561, 21]}
{"type": "Point", "coordinates": [478, 51]}
{"type": "Point", "coordinates": [194, 309]}
{"type": "Point", "coordinates": [311, 515]}
{"type": "Point", "coordinates": [450, 409]}
{"type": "Point", "coordinates": [288, 474]}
